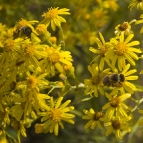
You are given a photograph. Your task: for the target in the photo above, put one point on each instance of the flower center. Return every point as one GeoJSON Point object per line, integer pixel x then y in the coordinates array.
{"type": "Point", "coordinates": [9, 45]}
{"type": "Point", "coordinates": [97, 116]}
{"type": "Point", "coordinates": [21, 23]}
{"type": "Point", "coordinates": [28, 50]}
{"type": "Point", "coordinates": [116, 124]}
{"type": "Point", "coordinates": [103, 50]}
{"type": "Point", "coordinates": [38, 128]}
{"type": "Point", "coordinates": [55, 115]}
{"type": "Point", "coordinates": [52, 13]}
{"type": "Point", "coordinates": [41, 28]}
{"type": "Point", "coordinates": [115, 102]}
{"type": "Point", "coordinates": [123, 26]}
{"type": "Point", "coordinates": [54, 58]}
{"type": "Point", "coordinates": [95, 80]}
{"type": "Point", "coordinates": [121, 49]}
{"type": "Point", "coordinates": [15, 124]}
{"type": "Point", "coordinates": [31, 82]}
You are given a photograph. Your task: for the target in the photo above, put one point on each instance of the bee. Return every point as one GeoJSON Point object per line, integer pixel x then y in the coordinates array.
{"type": "Point", "coordinates": [114, 80]}
{"type": "Point", "coordinates": [23, 31]}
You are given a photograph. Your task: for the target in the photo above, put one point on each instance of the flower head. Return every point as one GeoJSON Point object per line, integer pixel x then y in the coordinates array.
{"type": "Point", "coordinates": [93, 117]}
{"type": "Point", "coordinates": [52, 16]}
{"type": "Point", "coordinates": [116, 125]}
{"type": "Point", "coordinates": [55, 115]}
{"type": "Point", "coordinates": [101, 51]}
{"type": "Point", "coordinates": [138, 3]}
{"type": "Point", "coordinates": [116, 106]}
{"type": "Point", "coordinates": [122, 50]}
{"type": "Point", "coordinates": [94, 84]}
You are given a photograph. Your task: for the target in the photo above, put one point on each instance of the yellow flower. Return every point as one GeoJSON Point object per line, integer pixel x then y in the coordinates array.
{"type": "Point", "coordinates": [139, 4]}
{"type": "Point", "coordinates": [124, 28]}
{"type": "Point", "coordinates": [55, 60]}
{"type": "Point", "coordinates": [52, 16]}
{"type": "Point", "coordinates": [93, 117]}
{"type": "Point", "coordinates": [122, 50]}
{"type": "Point", "coordinates": [116, 125]}
{"type": "Point", "coordinates": [139, 22]}
{"type": "Point", "coordinates": [101, 51]}
{"type": "Point", "coordinates": [123, 84]}
{"type": "Point", "coordinates": [116, 106]}
{"type": "Point", "coordinates": [55, 114]}
{"type": "Point", "coordinates": [94, 84]}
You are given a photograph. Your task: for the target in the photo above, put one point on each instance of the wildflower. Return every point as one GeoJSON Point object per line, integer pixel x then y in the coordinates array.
{"type": "Point", "coordinates": [116, 125]}
{"type": "Point", "coordinates": [52, 16]}
{"type": "Point", "coordinates": [125, 85]}
{"type": "Point", "coordinates": [138, 3]}
{"type": "Point", "coordinates": [93, 117]}
{"type": "Point", "coordinates": [41, 29]}
{"type": "Point", "coordinates": [124, 28]}
{"type": "Point", "coordinates": [101, 51]}
{"type": "Point", "coordinates": [139, 22]}
{"type": "Point", "coordinates": [122, 50]}
{"type": "Point", "coordinates": [19, 126]}
{"type": "Point", "coordinates": [116, 105]}
{"type": "Point", "coordinates": [94, 84]}
{"type": "Point", "coordinates": [55, 60]}
{"type": "Point", "coordinates": [55, 114]}
{"type": "Point", "coordinates": [39, 128]}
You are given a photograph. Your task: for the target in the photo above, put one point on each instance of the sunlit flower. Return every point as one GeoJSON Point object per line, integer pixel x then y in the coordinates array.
{"type": "Point", "coordinates": [94, 118]}
{"type": "Point", "coordinates": [52, 16]}
{"type": "Point", "coordinates": [138, 3]}
{"type": "Point", "coordinates": [101, 51]}
{"type": "Point", "coordinates": [121, 50]}
{"type": "Point", "coordinates": [94, 84]}
{"type": "Point", "coordinates": [122, 80]}
{"type": "Point", "coordinates": [117, 125]}
{"type": "Point", "coordinates": [115, 106]}
{"type": "Point", "coordinates": [124, 28]}
{"type": "Point", "coordinates": [139, 22]}
{"type": "Point", "coordinates": [57, 113]}
{"type": "Point", "coordinates": [55, 60]}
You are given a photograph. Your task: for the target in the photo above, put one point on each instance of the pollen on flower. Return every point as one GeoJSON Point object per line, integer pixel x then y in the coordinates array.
{"type": "Point", "coordinates": [21, 23]}
{"type": "Point", "coordinates": [103, 50]}
{"type": "Point", "coordinates": [115, 102]}
{"type": "Point", "coordinates": [95, 80]}
{"type": "Point", "coordinates": [55, 115]}
{"type": "Point", "coordinates": [54, 58]}
{"type": "Point", "coordinates": [51, 14]}
{"type": "Point", "coordinates": [9, 45]}
{"type": "Point", "coordinates": [116, 124]}
{"type": "Point", "coordinates": [28, 50]}
{"type": "Point", "coordinates": [121, 48]}
{"type": "Point", "coordinates": [31, 82]}
{"type": "Point", "coordinates": [41, 28]}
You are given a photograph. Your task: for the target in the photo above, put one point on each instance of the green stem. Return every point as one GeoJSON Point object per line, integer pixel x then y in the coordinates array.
{"type": "Point", "coordinates": [62, 34]}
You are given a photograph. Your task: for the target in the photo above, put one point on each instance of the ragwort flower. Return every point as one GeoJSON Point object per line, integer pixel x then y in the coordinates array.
{"type": "Point", "coordinates": [52, 16]}
{"type": "Point", "coordinates": [139, 22]}
{"type": "Point", "coordinates": [124, 28]}
{"type": "Point", "coordinates": [116, 125]}
{"type": "Point", "coordinates": [56, 59]}
{"type": "Point", "coordinates": [122, 50]}
{"type": "Point", "coordinates": [93, 117]}
{"type": "Point", "coordinates": [54, 116]}
{"type": "Point", "coordinates": [116, 106]}
{"type": "Point", "coordinates": [138, 3]}
{"type": "Point", "coordinates": [101, 51]}
{"type": "Point", "coordinates": [94, 84]}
